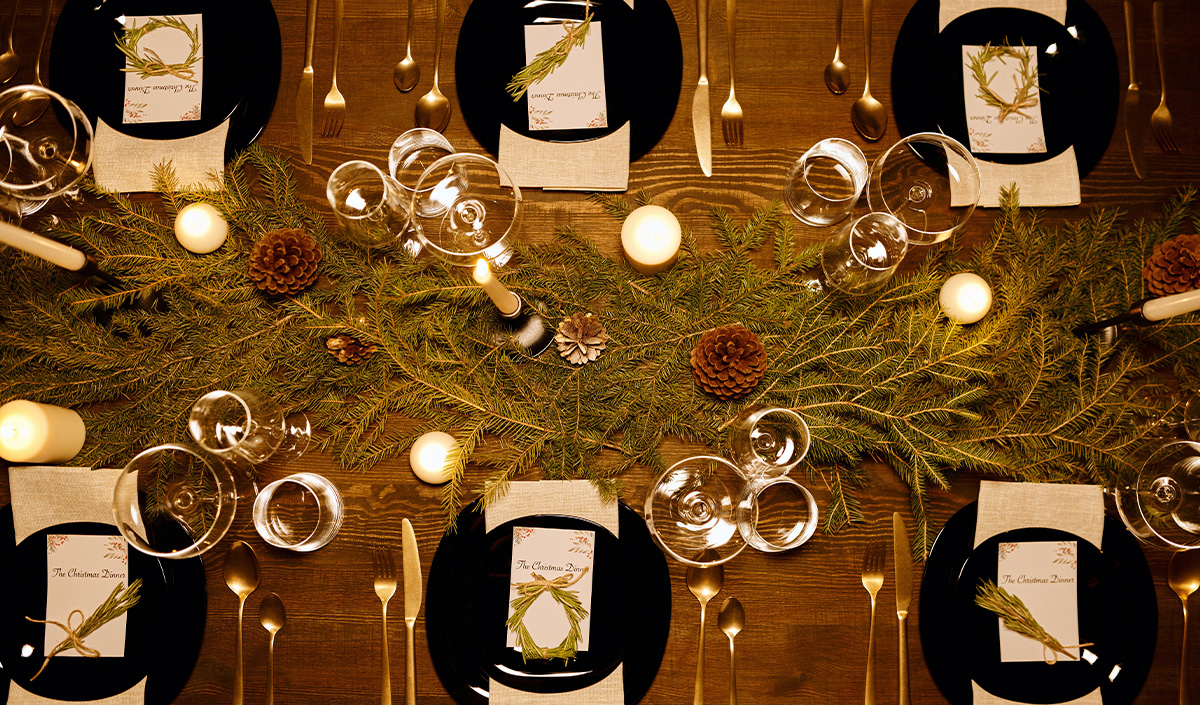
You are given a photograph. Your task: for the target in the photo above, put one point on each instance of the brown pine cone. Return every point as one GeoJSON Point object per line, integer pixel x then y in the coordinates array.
{"type": "Point", "coordinates": [348, 349]}
{"type": "Point", "coordinates": [284, 262]}
{"type": "Point", "coordinates": [1173, 266]}
{"type": "Point", "coordinates": [729, 361]}
{"type": "Point", "coordinates": [580, 338]}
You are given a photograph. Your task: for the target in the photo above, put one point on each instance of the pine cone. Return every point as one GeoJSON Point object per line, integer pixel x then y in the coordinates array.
{"type": "Point", "coordinates": [580, 338]}
{"type": "Point", "coordinates": [284, 262]}
{"type": "Point", "coordinates": [1174, 266]}
{"type": "Point", "coordinates": [348, 349]}
{"type": "Point", "coordinates": [729, 361]}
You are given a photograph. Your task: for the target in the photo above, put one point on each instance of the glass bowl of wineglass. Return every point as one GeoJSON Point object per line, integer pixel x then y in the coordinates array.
{"type": "Point", "coordinates": [45, 145]}
{"type": "Point", "coordinates": [465, 207]}
{"type": "Point", "coordinates": [1162, 507]}
{"type": "Point", "coordinates": [691, 510]}
{"type": "Point", "coordinates": [247, 425]}
{"type": "Point", "coordinates": [929, 182]}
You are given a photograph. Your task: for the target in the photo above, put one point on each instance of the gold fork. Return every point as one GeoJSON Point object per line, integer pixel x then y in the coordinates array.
{"type": "Point", "coordinates": [872, 580]}
{"type": "Point", "coordinates": [1160, 120]}
{"type": "Point", "coordinates": [385, 587]}
{"type": "Point", "coordinates": [731, 112]}
{"type": "Point", "coordinates": [335, 104]}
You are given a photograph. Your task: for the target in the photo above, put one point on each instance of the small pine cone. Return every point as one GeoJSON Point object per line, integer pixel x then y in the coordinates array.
{"type": "Point", "coordinates": [284, 262]}
{"type": "Point", "coordinates": [580, 338]}
{"type": "Point", "coordinates": [348, 349]}
{"type": "Point", "coordinates": [1173, 266]}
{"type": "Point", "coordinates": [729, 361]}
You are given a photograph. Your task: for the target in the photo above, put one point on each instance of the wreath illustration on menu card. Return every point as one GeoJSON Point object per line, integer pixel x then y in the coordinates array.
{"type": "Point", "coordinates": [1025, 80]}
{"type": "Point", "coordinates": [148, 63]}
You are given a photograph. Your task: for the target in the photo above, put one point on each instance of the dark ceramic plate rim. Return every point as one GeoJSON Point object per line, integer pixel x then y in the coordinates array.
{"type": "Point", "coordinates": [175, 587]}
{"type": "Point", "coordinates": [920, 107]}
{"type": "Point", "coordinates": [454, 648]}
{"type": "Point", "coordinates": [942, 618]}
{"type": "Point", "coordinates": [82, 38]}
{"type": "Point", "coordinates": [653, 58]}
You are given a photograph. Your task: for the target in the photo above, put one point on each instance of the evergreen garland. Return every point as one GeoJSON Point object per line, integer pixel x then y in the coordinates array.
{"type": "Point", "coordinates": [878, 378]}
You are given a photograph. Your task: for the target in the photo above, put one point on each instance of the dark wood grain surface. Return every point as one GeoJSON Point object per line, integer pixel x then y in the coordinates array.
{"type": "Point", "coordinates": [807, 611]}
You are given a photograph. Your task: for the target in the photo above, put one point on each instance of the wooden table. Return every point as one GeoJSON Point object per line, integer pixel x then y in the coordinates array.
{"type": "Point", "coordinates": [807, 610]}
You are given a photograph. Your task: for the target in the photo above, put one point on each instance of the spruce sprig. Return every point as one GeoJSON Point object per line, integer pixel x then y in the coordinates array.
{"type": "Point", "coordinates": [152, 64]}
{"type": "Point", "coordinates": [527, 594]}
{"type": "Point", "coordinates": [118, 603]}
{"type": "Point", "coordinates": [546, 62]}
{"type": "Point", "coordinates": [1017, 617]}
{"type": "Point", "coordinates": [1026, 88]}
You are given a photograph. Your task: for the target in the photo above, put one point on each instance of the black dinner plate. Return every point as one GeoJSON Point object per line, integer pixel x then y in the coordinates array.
{"type": "Point", "coordinates": [1118, 613]}
{"type": "Point", "coordinates": [468, 605]}
{"type": "Point", "coordinates": [173, 592]}
{"type": "Point", "coordinates": [643, 69]}
{"type": "Point", "coordinates": [242, 55]}
{"type": "Point", "coordinates": [1079, 79]}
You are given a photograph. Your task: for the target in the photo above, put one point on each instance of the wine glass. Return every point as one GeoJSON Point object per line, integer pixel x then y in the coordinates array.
{"type": "Point", "coordinates": [412, 153]}
{"type": "Point", "coordinates": [173, 487]}
{"type": "Point", "coordinates": [370, 207]}
{"type": "Point", "coordinates": [862, 255]}
{"type": "Point", "coordinates": [45, 145]}
{"type": "Point", "coordinates": [768, 441]}
{"type": "Point", "coordinates": [466, 207]}
{"type": "Point", "coordinates": [929, 181]}
{"type": "Point", "coordinates": [1162, 508]}
{"type": "Point", "coordinates": [247, 425]}
{"type": "Point", "coordinates": [691, 510]}
{"type": "Point", "coordinates": [776, 513]}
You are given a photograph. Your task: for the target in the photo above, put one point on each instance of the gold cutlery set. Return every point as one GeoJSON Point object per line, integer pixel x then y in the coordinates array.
{"type": "Point", "coordinates": [731, 113]}
{"type": "Point", "coordinates": [705, 582]}
{"type": "Point", "coordinates": [385, 588]}
{"type": "Point", "coordinates": [1160, 119]}
{"type": "Point", "coordinates": [872, 580]}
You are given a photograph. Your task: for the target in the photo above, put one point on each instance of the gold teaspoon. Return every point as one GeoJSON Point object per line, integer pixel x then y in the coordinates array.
{"type": "Point", "coordinates": [241, 575]}
{"type": "Point", "coordinates": [273, 617]}
{"type": "Point", "coordinates": [433, 109]}
{"type": "Point", "coordinates": [704, 582]}
{"type": "Point", "coordinates": [732, 620]}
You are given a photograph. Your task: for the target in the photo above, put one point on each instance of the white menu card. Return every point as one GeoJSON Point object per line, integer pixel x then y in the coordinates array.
{"type": "Point", "coordinates": [1043, 575]}
{"type": "Point", "coordinates": [990, 127]}
{"type": "Point", "coordinates": [167, 86]}
{"type": "Point", "coordinates": [551, 554]}
{"type": "Point", "coordinates": [81, 572]}
{"type": "Point", "coordinates": [571, 98]}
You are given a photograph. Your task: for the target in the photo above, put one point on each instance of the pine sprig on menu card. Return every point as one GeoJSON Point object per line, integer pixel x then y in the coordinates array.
{"type": "Point", "coordinates": [1017, 617]}
{"type": "Point", "coordinates": [118, 603]}
{"type": "Point", "coordinates": [546, 62]}
{"type": "Point", "coordinates": [885, 383]}
{"type": "Point", "coordinates": [1026, 88]}
{"type": "Point", "coordinates": [527, 594]}
{"type": "Point", "coordinates": [152, 64]}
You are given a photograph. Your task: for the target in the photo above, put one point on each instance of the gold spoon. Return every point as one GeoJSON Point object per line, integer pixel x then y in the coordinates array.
{"type": "Point", "coordinates": [10, 63]}
{"type": "Point", "coordinates": [273, 617]}
{"type": "Point", "coordinates": [868, 115]}
{"type": "Point", "coordinates": [837, 74]}
{"type": "Point", "coordinates": [433, 109]}
{"type": "Point", "coordinates": [407, 72]}
{"type": "Point", "coordinates": [241, 575]}
{"type": "Point", "coordinates": [1183, 575]}
{"type": "Point", "coordinates": [704, 582]}
{"type": "Point", "coordinates": [731, 620]}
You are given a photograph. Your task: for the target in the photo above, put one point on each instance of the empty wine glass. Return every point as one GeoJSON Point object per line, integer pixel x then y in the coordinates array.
{"type": "Point", "coordinates": [45, 145]}
{"type": "Point", "coordinates": [862, 255]}
{"type": "Point", "coordinates": [767, 441]}
{"type": "Point", "coordinates": [824, 184]}
{"type": "Point", "coordinates": [776, 513]}
{"type": "Point", "coordinates": [466, 207]}
{"type": "Point", "coordinates": [929, 182]}
{"type": "Point", "coordinates": [370, 207]}
{"type": "Point", "coordinates": [247, 425]}
{"type": "Point", "coordinates": [691, 510]}
{"type": "Point", "coordinates": [1162, 508]}
{"type": "Point", "coordinates": [412, 153]}
{"type": "Point", "coordinates": [171, 487]}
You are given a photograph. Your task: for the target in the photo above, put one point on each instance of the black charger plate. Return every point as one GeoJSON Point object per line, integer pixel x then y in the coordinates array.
{"type": "Point", "coordinates": [1118, 612]}
{"type": "Point", "coordinates": [173, 593]}
{"type": "Point", "coordinates": [643, 69]}
{"type": "Point", "coordinates": [1079, 81]}
{"type": "Point", "coordinates": [242, 56]}
{"type": "Point", "coordinates": [468, 604]}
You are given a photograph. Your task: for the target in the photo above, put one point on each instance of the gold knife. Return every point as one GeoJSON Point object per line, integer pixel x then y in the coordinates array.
{"type": "Point", "coordinates": [304, 93]}
{"type": "Point", "coordinates": [1135, 129]}
{"type": "Point", "coordinates": [701, 123]}
{"type": "Point", "coordinates": [412, 607]}
{"type": "Point", "coordinates": [902, 551]}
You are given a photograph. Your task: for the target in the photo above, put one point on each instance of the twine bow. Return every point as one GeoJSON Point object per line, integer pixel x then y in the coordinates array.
{"type": "Point", "coordinates": [540, 584]}
{"type": "Point", "coordinates": [73, 640]}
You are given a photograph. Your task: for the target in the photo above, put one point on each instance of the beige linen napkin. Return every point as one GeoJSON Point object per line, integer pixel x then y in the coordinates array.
{"type": "Point", "coordinates": [126, 164]}
{"type": "Point", "coordinates": [596, 165]}
{"type": "Point", "coordinates": [1004, 506]}
{"type": "Point", "coordinates": [44, 496]}
{"type": "Point", "coordinates": [569, 498]}
{"type": "Point", "coordinates": [1054, 182]}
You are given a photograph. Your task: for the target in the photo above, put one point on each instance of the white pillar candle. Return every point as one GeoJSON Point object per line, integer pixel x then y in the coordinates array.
{"type": "Point", "coordinates": [200, 228]}
{"type": "Point", "coordinates": [53, 252]}
{"type": "Point", "coordinates": [650, 238]}
{"type": "Point", "coordinates": [1173, 305]}
{"type": "Point", "coordinates": [966, 298]}
{"type": "Point", "coordinates": [504, 299]}
{"type": "Point", "coordinates": [39, 433]}
{"type": "Point", "coordinates": [428, 457]}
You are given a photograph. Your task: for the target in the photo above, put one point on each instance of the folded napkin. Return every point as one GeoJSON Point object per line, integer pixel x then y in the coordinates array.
{"type": "Point", "coordinates": [1005, 506]}
{"type": "Point", "coordinates": [46, 496]}
{"type": "Point", "coordinates": [1054, 182]}
{"type": "Point", "coordinates": [596, 165]}
{"type": "Point", "coordinates": [569, 498]}
{"type": "Point", "coordinates": [126, 164]}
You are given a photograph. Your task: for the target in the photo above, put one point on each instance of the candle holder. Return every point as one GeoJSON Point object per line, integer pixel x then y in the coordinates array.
{"type": "Point", "coordinates": [526, 328]}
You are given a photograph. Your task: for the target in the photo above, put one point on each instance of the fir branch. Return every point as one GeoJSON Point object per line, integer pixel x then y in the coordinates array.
{"type": "Point", "coordinates": [545, 63]}
{"type": "Point", "coordinates": [119, 601]}
{"type": "Point", "coordinates": [1017, 617]}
